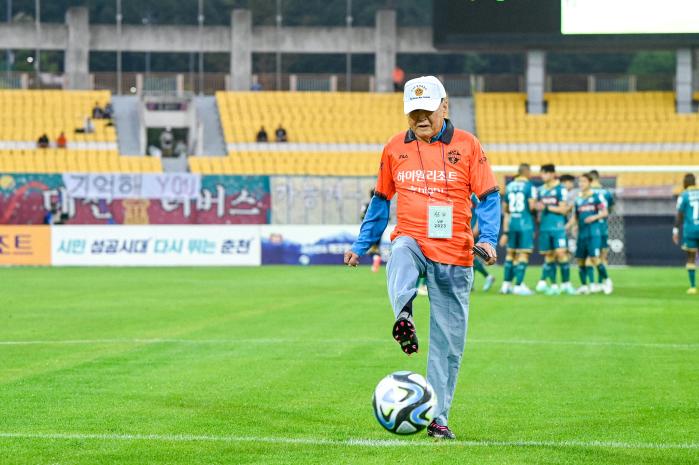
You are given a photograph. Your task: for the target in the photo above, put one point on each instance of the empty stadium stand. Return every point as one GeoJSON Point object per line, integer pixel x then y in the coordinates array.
{"type": "Point", "coordinates": [634, 117]}
{"type": "Point", "coordinates": [333, 117]}
{"type": "Point", "coordinates": [74, 161]}
{"type": "Point", "coordinates": [27, 114]}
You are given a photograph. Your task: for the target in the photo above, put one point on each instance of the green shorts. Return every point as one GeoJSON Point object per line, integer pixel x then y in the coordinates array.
{"type": "Point", "coordinates": [520, 240]}
{"type": "Point", "coordinates": [587, 247]}
{"type": "Point", "coordinates": [690, 242]}
{"type": "Point", "coordinates": [552, 240]}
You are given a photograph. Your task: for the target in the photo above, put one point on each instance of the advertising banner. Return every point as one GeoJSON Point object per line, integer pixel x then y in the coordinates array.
{"type": "Point", "coordinates": [312, 244]}
{"type": "Point", "coordinates": [111, 186]}
{"type": "Point", "coordinates": [155, 245]}
{"type": "Point", "coordinates": [25, 245]}
{"type": "Point", "coordinates": [28, 198]}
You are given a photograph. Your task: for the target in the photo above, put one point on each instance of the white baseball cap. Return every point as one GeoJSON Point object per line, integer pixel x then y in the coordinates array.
{"type": "Point", "coordinates": [423, 93]}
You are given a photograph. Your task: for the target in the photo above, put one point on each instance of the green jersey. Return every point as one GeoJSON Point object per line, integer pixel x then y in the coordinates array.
{"type": "Point", "coordinates": [517, 195]}
{"type": "Point", "coordinates": [586, 206]}
{"type": "Point", "coordinates": [552, 196]}
{"type": "Point", "coordinates": [688, 205]}
{"type": "Point", "coordinates": [608, 199]}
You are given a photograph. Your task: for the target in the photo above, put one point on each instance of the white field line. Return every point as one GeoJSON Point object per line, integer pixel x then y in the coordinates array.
{"type": "Point", "coordinates": [353, 442]}
{"type": "Point", "coordinates": [652, 345]}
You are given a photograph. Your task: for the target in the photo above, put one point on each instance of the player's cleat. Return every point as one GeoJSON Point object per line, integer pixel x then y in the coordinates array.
{"type": "Point", "coordinates": [542, 286]}
{"type": "Point", "coordinates": [506, 288]}
{"type": "Point", "coordinates": [489, 281]}
{"type": "Point", "coordinates": [608, 286]}
{"type": "Point", "coordinates": [552, 290]}
{"type": "Point", "coordinates": [595, 288]}
{"type": "Point", "coordinates": [376, 263]}
{"type": "Point", "coordinates": [567, 288]}
{"type": "Point", "coordinates": [404, 333]}
{"type": "Point", "coordinates": [422, 289]}
{"type": "Point", "coordinates": [522, 289]}
{"type": "Point", "coordinates": [692, 291]}
{"type": "Point", "coordinates": [439, 432]}
{"type": "Point", "coordinates": [583, 290]}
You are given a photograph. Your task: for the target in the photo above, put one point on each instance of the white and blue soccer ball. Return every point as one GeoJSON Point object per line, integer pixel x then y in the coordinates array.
{"type": "Point", "coordinates": [404, 402]}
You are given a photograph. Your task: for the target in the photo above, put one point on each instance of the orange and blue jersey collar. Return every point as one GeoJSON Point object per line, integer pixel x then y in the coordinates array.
{"type": "Point", "coordinates": [445, 135]}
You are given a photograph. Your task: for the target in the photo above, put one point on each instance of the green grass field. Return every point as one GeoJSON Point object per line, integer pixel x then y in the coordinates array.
{"type": "Point", "coordinates": [249, 365]}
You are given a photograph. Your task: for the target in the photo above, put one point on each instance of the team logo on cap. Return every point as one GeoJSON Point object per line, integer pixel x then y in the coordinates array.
{"type": "Point", "coordinates": [454, 156]}
{"type": "Point", "coordinates": [419, 91]}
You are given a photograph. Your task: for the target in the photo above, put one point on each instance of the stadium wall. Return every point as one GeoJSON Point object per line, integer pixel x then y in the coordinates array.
{"type": "Point", "coordinates": [291, 203]}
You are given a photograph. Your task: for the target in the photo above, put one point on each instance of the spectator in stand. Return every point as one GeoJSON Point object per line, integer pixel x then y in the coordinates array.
{"type": "Point", "coordinates": [61, 141]}
{"type": "Point", "coordinates": [180, 149]}
{"type": "Point", "coordinates": [43, 141]}
{"type": "Point", "coordinates": [89, 127]}
{"type": "Point", "coordinates": [97, 111]}
{"type": "Point", "coordinates": [108, 111]}
{"type": "Point", "coordinates": [398, 79]}
{"type": "Point", "coordinates": [262, 135]}
{"type": "Point", "coordinates": [280, 134]}
{"type": "Point", "coordinates": [167, 141]}
{"type": "Point", "coordinates": [256, 87]}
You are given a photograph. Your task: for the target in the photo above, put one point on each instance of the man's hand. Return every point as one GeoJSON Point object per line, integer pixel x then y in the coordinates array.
{"type": "Point", "coordinates": [590, 219]}
{"type": "Point", "coordinates": [493, 257]}
{"type": "Point", "coordinates": [676, 236]}
{"type": "Point", "coordinates": [503, 240]}
{"type": "Point", "coordinates": [351, 258]}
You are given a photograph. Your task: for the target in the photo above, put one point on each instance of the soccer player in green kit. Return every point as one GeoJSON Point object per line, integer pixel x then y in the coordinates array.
{"type": "Point", "coordinates": [518, 230]}
{"type": "Point", "coordinates": [688, 217]}
{"type": "Point", "coordinates": [589, 209]}
{"type": "Point", "coordinates": [553, 243]}
{"type": "Point", "coordinates": [604, 282]}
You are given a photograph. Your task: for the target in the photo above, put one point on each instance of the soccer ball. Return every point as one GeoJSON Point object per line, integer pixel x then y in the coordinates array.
{"type": "Point", "coordinates": [404, 402]}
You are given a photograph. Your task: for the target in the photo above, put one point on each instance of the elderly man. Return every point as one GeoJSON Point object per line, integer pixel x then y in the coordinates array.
{"type": "Point", "coordinates": [434, 168]}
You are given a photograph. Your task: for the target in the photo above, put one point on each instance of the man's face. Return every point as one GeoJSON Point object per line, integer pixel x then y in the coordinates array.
{"type": "Point", "coordinates": [427, 124]}
{"type": "Point", "coordinates": [547, 176]}
{"type": "Point", "coordinates": [584, 183]}
{"type": "Point", "coordinates": [569, 185]}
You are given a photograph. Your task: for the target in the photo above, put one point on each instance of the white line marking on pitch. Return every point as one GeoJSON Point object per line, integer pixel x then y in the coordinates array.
{"type": "Point", "coordinates": [655, 345]}
{"type": "Point", "coordinates": [347, 442]}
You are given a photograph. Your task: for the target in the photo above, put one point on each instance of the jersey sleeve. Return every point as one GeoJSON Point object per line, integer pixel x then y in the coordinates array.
{"type": "Point", "coordinates": [482, 179]}
{"type": "Point", "coordinates": [385, 187]}
{"type": "Point", "coordinates": [680, 202]}
{"type": "Point", "coordinates": [534, 192]}
{"type": "Point", "coordinates": [562, 194]}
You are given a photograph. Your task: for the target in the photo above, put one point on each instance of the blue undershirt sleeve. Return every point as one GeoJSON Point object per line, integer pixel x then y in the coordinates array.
{"type": "Point", "coordinates": [488, 214]}
{"type": "Point", "coordinates": [374, 224]}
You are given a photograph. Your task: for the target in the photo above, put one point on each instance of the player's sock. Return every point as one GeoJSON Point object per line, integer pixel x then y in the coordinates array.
{"type": "Point", "coordinates": [692, 272]}
{"type": "Point", "coordinates": [509, 272]}
{"type": "Point", "coordinates": [544, 271]}
{"type": "Point", "coordinates": [582, 272]}
{"type": "Point", "coordinates": [552, 272]}
{"type": "Point", "coordinates": [520, 270]}
{"type": "Point", "coordinates": [478, 266]}
{"type": "Point", "coordinates": [601, 273]}
{"type": "Point", "coordinates": [565, 271]}
{"type": "Point", "coordinates": [590, 274]}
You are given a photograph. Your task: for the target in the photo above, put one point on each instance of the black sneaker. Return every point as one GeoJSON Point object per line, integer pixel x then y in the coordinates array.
{"type": "Point", "coordinates": [404, 332]}
{"type": "Point", "coordinates": [439, 431]}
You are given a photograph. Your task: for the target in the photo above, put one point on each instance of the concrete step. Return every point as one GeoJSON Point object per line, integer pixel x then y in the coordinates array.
{"type": "Point", "coordinates": [128, 124]}
{"type": "Point", "coordinates": [214, 143]}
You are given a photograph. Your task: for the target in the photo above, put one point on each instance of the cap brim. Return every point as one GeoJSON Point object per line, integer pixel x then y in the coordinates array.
{"type": "Point", "coordinates": [429, 104]}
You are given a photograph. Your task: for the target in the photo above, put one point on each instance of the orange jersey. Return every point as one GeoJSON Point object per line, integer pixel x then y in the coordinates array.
{"type": "Point", "coordinates": [450, 169]}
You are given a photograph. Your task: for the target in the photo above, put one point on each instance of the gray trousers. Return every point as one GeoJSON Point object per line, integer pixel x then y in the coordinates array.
{"type": "Point", "coordinates": [449, 288]}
